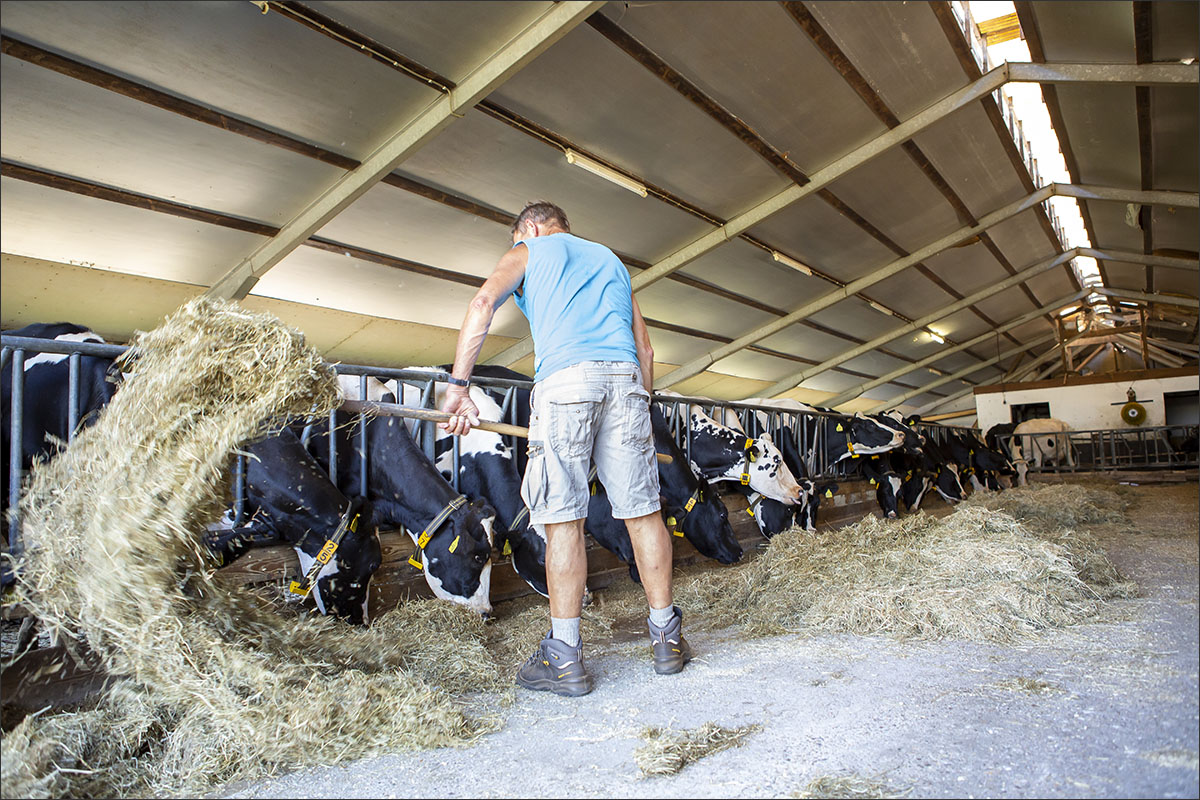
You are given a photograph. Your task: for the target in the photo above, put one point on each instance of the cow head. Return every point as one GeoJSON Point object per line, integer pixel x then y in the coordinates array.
{"type": "Point", "coordinates": [457, 560]}
{"type": "Point", "coordinates": [947, 483]}
{"type": "Point", "coordinates": [343, 585]}
{"type": "Point", "coordinates": [706, 525]}
{"type": "Point", "coordinates": [870, 436]}
{"type": "Point", "coordinates": [771, 516]}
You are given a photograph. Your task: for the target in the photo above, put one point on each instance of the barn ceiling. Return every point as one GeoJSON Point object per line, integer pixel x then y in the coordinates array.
{"type": "Point", "coordinates": [152, 151]}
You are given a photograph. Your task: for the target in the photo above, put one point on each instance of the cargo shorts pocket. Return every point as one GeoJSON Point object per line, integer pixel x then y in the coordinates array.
{"type": "Point", "coordinates": [635, 424]}
{"type": "Point", "coordinates": [571, 418]}
{"type": "Point", "coordinates": [534, 484]}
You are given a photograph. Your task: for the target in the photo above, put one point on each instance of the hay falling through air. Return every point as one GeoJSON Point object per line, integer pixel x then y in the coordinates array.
{"type": "Point", "coordinates": [667, 751]}
{"type": "Point", "coordinates": [215, 686]}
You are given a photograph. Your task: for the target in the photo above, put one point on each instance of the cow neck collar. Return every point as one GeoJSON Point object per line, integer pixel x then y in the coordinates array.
{"type": "Point", "coordinates": [747, 457]}
{"type": "Point", "coordinates": [430, 529]}
{"type": "Point", "coordinates": [348, 522]}
{"type": "Point", "coordinates": [675, 520]}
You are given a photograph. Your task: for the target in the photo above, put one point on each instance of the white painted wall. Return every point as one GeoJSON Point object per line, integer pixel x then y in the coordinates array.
{"type": "Point", "coordinates": [1086, 407]}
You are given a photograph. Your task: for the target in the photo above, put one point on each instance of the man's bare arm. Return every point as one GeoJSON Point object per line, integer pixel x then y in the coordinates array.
{"type": "Point", "coordinates": [641, 339]}
{"type": "Point", "coordinates": [503, 281]}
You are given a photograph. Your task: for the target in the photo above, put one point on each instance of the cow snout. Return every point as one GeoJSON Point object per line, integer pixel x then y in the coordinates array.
{"type": "Point", "coordinates": [486, 616]}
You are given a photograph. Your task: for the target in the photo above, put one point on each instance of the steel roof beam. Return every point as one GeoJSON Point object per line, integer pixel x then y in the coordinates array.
{"type": "Point", "coordinates": [1129, 294]}
{"type": "Point", "coordinates": [962, 373]}
{"type": "Point", "coordinates": [799, 377]}
{"type": "Point", "coordinates": [556, 22]}
{"type": "Point", "coordinates": [698, 365]}
{"type": "Point", "coordinates": [972, 92]}
{"type": "Point", "coordinates": [1028, 316]}
{"type": "Point", "coordinates": [796, 378]}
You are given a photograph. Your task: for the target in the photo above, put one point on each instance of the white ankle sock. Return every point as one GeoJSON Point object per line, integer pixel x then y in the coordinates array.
{"type": "Point", "coordinates": [565, 630]}
{"type": "Point", "coordinates": [661, 617]}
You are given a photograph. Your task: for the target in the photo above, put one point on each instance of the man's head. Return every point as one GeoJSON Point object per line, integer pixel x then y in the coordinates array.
{"type": "Point", "coordinates": [539, 219]}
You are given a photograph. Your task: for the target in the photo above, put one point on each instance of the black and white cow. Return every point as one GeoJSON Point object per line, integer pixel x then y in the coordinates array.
{"type": "Point", "coordinates": [879, 472]}
{"type": "Point", "coordinates": [698, 512]}
{"type": "Point", "coordinates": [288, 501]}
{"type": "Point", "coordinates": [407, 491]}
{"type": "Point", "coordinates": [46, 414]}
{"type": "Point", "coordinates": [722, 453]}
{"type": "Point", "coordinates": [289, 493]}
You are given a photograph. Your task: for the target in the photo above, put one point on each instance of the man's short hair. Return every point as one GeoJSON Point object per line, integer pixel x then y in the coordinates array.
{"type": "Point", "coordinates": [541, 213]}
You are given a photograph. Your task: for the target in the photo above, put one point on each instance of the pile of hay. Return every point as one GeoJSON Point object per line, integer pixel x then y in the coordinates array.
{"type": "Point", "coordinates": [667, 751]}
{"type": "Point", "coordinates": [974, 574]}
{"type": "Point", "coordinates": [215, 686]}
{"type": "Point", "coordinates": [1049, 506]}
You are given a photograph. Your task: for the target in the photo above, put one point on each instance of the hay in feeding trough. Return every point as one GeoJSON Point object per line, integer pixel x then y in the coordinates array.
{"type": "Point", "coordinates": [974, 574]}
{"type": "Point", "coordinates": [667, 751]}
{"type": "Point", "coordinates": [215, 686]}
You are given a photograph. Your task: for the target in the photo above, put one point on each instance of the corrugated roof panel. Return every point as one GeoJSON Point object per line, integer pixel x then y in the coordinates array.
{"type": "Point", "coordinates": [231, 57]}
{"type": "Point", "coordinates": [587, 90]}
{"type": "Point", "coordinates": [754, 60]}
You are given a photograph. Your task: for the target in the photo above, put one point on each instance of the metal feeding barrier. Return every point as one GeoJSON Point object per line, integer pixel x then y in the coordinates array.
{"type": "Point", "coordinates": [807, 429]}
{"type": "Point", "coordinates": [1107, 450]}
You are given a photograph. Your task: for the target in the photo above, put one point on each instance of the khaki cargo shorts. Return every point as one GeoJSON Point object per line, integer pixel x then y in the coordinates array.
{"type": "Point", "coordinates": [596, 411]}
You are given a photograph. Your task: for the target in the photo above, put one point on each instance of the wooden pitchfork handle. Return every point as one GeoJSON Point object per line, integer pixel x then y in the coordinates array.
{"type": "Point", "coordinates": [430, 415]}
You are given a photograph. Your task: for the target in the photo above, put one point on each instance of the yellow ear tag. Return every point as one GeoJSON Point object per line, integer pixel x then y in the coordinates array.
{"type": "Point", "coordinates": [839, 427]}
{"type": "Point", "coordinates": [454, 544]}
{"type": "Point", "coordinates": [671, 521]}
{"type": "Point", "coordinates": [872, 481]}
{"type": "Point", "coordinates": [829, 492]}
{"type": "Point", "coordinates": [507, 548]}
{"type": "Point", "coordinates": [691, 503]}
{"type": "Point", "coordinates": [874, 458]}
{"type": "Point", "coordinates": [677, 533]}
{"type": "Point", "coordinates": [416, 562]}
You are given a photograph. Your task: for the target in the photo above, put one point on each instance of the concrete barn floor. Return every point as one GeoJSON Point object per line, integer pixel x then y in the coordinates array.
{"type": "Point", "coordinates": [1102, 709]}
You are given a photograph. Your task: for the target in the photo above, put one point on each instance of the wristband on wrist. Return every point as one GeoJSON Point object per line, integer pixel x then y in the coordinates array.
{"type": "Point", "coordinates": [457, 381]}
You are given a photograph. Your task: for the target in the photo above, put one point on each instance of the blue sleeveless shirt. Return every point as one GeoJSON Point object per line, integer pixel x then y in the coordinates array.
{"type": "Point", "coordinates": [578, 299]}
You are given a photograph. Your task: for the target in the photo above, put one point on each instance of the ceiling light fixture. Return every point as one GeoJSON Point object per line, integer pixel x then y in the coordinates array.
{"type": "Point", "coordinates": [608, 173]}
{"type": "Point", "coordinates": [881, 309]}
{"type": "Point", "coordinates": [791, 262]}
{"type": "Point", "coordinates": [937, 337]}
{"type": "Point", "coordinates": [936, 371]}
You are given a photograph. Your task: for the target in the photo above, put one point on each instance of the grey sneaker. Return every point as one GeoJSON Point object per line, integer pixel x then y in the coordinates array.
{"type": "Point", "coordinates": [671, 650]}
{"type": "Point", "coordinates": [556, 667]}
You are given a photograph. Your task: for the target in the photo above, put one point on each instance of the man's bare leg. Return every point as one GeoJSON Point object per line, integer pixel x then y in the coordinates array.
{"type": "Point", "coordinates": [654, 555]}
{"type": "Point", "coordinates": [566, 568]}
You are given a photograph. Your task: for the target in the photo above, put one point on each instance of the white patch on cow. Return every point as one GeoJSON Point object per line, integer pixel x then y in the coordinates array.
{"type": "Point", "coordinates": [976, 485]}
{"type": "Point", "coordinates": [894, 481]}
{"type": "Point", "coordinates": [306, 562]}
{"type": "Point", "coordinates": [54, 358]}
{"type": "Point", "coordinates": [366, 601]}
{"type": "Point", "coordinates": [479, 602]}
{"type": "Point", "coordinates": [352, 390]}
{"type": "Point", "coordinates": [925, 483]}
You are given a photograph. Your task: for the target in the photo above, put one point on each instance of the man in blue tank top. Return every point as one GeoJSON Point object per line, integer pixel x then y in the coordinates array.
{"type": "Point", "coordinates": [594, 369]}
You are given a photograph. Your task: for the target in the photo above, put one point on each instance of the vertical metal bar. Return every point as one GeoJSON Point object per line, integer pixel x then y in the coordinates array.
{"type": "Point", "coordinates": [687, 412]}
{"type": "Point", "coordinates": [15, 450]}
{"type": "Point", "coordinates": [72, 395]}
{"type": "Point", "coordinates": [306, 435]}
{"type": "Point", "coordinates": [454, 457]}
{"type": "Point", "coordinates": [333, 453]}
{"type": "Point", "coordinates": [239, 489]}
{"type": "Point", "coordinates": [362, 439]}
{"type": "Point", "coordinates": [428, 439]}
{"type": "Point", "coordinates": [507, 408]}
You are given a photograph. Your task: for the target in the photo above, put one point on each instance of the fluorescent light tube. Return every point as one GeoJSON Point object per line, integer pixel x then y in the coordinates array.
{"type": "Point", "coordinates": [791, 262]}
{"type": "Point", "coordinates": [937, 337]}
{"type": "Point", "coordinates": [609, 174]}
{"type": "Point", "coordinates": [880, 308]}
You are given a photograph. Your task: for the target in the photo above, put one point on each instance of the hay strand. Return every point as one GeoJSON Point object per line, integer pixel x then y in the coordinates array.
{"type": "Point", "coordinates": [667, 751]}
